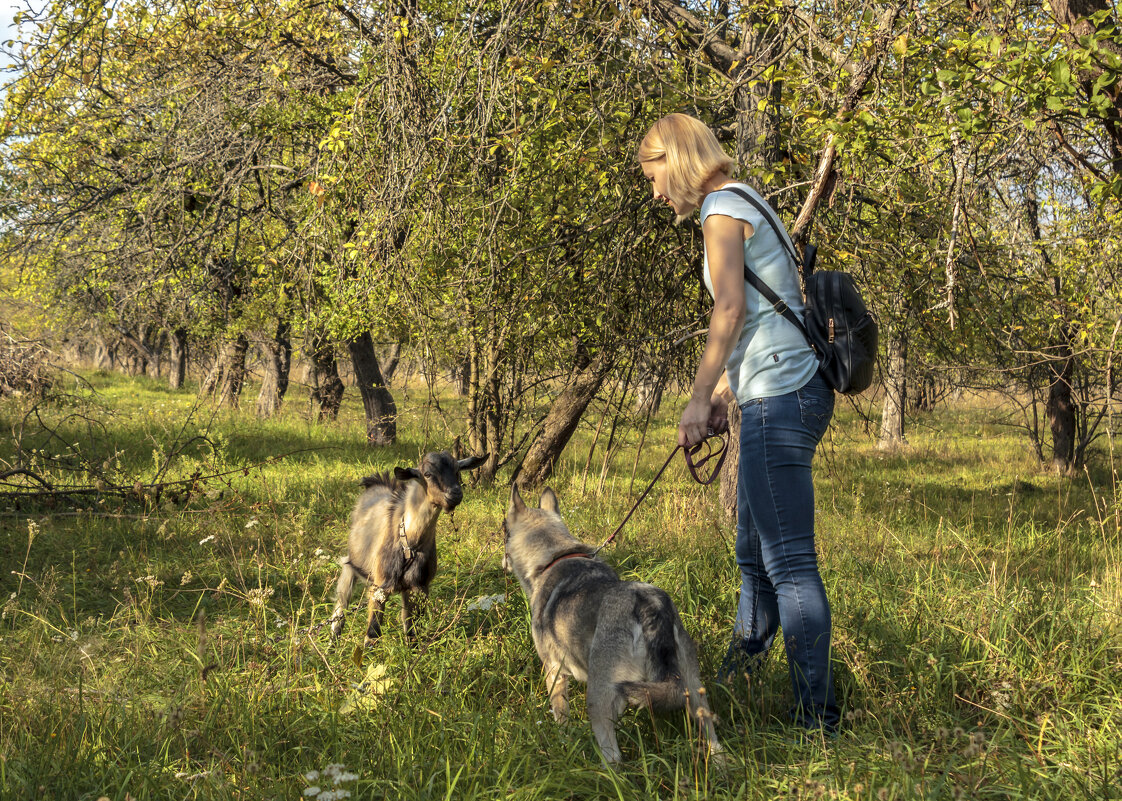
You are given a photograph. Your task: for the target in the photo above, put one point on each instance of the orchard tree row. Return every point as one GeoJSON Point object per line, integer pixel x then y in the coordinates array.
{"type": "Point", "coordinates": [459, 178]}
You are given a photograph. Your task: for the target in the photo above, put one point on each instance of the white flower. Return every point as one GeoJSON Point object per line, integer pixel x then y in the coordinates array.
{"type": "Point", "coordinates": [259, 596]}
{"type": "Point", "coordinates": [311, 775]}
{"type": "Point", "coordinates": [484, 603]}
{"type": "Point", "coordinates": [252, 522]}
{"type": "Point", "coordinates": [310, 791]}
{"type": "Point", "coordinates": [205, 540]}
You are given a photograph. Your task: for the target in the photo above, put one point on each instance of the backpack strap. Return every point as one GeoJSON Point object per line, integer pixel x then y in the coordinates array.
{"type": "Point", "coordinates": [770, 294]}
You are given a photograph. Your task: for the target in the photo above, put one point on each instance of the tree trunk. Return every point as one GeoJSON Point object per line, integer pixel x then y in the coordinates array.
{"type": "Point", "coordinates": [924, 394]}
{"type": "Point", "coordinates": [327, 387]}
{"type": "Point", "coordinates": [377, 402]}
{"type": "Point", "coordinates": [1061, 410]}
{"type": "Point", "coordinates": [233, 372]}
{"type": "Point", "coordinates": [178, 373]}
{"type": "Point", "coordinates": [103, 355]}
{"type": "Point", "coordinates": [895, 391]}
{"type": "Point", "coordinates": [649, 386]}
{"type": "Point", "coordinates": [731, 470]}
{"type": "Point", "coordinates": [393, 359]}
{"type": "Point", "coordinates": [278, 362]}
{"type": "Point", "coordinates": [560, 423]}
{"type": "Point", "coordinates": [153, 343]}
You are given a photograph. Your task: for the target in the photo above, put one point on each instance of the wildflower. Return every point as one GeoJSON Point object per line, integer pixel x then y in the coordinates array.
{"type": "Point", "coordinates": [221, 585]}
{"type": "Point", "coordinates": [259, 596]}
{"type": "Point", "coordinates": [310, 791]}
{"type": "Point", "coordinates": [150, 580]}
{"type": "Point", "coordinates": [186, 579]}
{"type": "Point", "coordinates": [485, 603]}
{"type": "Point", "coordinates": [251, 522]}
{"type": "Point", "coordinates": [311, 775]}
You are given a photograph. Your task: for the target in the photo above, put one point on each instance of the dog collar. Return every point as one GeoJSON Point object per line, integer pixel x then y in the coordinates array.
{"type": "Point", "coordinates": [564, 556]}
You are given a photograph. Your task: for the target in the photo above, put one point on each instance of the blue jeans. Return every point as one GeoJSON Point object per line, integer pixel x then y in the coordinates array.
{"type": "Point", "coordinates": [780, 583]}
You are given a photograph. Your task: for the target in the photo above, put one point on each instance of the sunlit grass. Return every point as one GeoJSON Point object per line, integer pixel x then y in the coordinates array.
{"type": "Point", "coordinates": [159, 649]}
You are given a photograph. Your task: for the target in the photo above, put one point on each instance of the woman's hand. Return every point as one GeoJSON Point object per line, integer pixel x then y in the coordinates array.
{"type": "Point", "coordinates": [697, 419]}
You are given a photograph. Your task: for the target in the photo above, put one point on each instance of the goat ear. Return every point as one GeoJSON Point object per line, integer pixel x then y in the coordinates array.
{"type": "Point", "coordinates": [549, 501]}
{"type": "Point", "coordinates": [407, 473]}
{"type": "Point", "coordinates": [472, 462]}
{"type": "Point", "coordinates": [517, 505]}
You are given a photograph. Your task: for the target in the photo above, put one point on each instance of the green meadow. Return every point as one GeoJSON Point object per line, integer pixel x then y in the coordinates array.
{"type": "Point", "coordinates": [173, 647]}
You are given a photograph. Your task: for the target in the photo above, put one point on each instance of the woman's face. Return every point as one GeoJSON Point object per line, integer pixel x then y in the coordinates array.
{"type": "Point", "coordinates": [656, 173]}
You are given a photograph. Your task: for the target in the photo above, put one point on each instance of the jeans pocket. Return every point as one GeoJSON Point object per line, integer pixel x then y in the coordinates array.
{"type": "Point", "coordinates": [816, 408]}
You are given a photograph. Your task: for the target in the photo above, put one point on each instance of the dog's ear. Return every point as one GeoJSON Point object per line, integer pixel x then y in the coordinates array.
{"type": "Point", "coordinates": [472, 462]}
{"type": "Point", "coordinates": [407, 473]}
{"type": "Point", "coordinates": [549, 501]}
{"type": "Point", "coordinates": [517, 505]}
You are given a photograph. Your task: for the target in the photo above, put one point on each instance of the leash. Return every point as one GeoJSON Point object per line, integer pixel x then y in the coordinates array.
{"type": "Point", "coordinates": [695, 461]}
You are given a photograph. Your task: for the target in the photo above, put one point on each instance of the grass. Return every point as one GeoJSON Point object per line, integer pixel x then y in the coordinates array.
{"type": "Point", "coordinates": [161, 650]}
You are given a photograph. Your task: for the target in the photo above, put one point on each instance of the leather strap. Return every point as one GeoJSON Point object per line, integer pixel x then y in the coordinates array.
{"type": "Point", "coordinates": [770, 294]}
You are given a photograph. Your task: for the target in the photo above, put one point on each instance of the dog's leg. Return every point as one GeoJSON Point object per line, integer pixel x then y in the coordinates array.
{"type": "Point", "coordinates": [605, 704]}
{"type": "Point", "coordinates": [342, 597]}
{"type": "Point", "coordinates": [557, 680]}
{"type": "Point", "coordinates": [374, 611]}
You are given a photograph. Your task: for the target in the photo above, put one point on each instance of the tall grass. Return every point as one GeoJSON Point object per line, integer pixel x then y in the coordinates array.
{"type": "Point", "coordinates": [174, 649]}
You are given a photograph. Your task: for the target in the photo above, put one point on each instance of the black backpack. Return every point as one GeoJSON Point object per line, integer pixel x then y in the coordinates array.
{"type": "Point", "coordinates": [837, 323]}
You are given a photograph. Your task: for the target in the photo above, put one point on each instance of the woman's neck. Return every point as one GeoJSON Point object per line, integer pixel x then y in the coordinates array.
{"type": "Point", "coordinates": [715, 182]}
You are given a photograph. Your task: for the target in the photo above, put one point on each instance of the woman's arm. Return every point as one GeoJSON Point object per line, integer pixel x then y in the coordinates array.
{"type": "Point", "coordinates": [724, 242]}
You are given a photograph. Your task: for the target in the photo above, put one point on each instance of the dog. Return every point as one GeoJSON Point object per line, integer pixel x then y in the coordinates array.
{"type": "Point", "coordinates": [625, 639]}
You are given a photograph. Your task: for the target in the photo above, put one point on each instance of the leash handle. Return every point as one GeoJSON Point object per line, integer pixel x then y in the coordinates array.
{"type": "Point", "coordinates": [718, 452]}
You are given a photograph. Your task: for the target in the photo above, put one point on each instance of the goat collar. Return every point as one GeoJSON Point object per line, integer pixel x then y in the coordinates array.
{"type": "Point", "coordinates": [405, 548]}
{"type": "Point", "coordinates": [562, 557]}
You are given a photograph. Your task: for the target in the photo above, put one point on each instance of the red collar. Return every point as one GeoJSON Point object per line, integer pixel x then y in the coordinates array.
{"type": "Point", "coordinates": [564, 556]}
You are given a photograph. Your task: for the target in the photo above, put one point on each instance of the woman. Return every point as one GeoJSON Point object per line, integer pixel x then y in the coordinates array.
{"type": "Point", "coordinates": [753, 354]}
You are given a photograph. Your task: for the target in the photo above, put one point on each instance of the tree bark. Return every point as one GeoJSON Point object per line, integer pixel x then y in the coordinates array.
{"type": "Point", "coordinates": [560, 423]}
{"type": "Point", "coordinates": [327, 387]}
{"type": "Point", "coordinates": [730, 473]}
{"type": "Point", "coordinates": [1060, 409]}
{"type": "Point", "coordinates": [649, 387]}
{"type": "Point", "coordinates": [278, 364]}
{"type": "Point", "coordinates": [227, 374]}
{"type": "Point", "coordinates": [393, 359]}
{"type": "Point", "coordinates": [377, 402]}
{"type": "Point", "coordinates": [103, 355]}
{"type": "Point", "coordinates": [177, 375]}
{"type": "Point", "coordinates": [895, 390]}
{"type": "Point", "coordinates": [233, 372]}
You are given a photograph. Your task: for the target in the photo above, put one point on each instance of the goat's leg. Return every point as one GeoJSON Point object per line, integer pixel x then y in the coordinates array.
{"type": "Point", "coordinates": [407, 615]}
{"type": "Point", "coordinates": [409, 610]}
{"type": "Point", "coordinates": [374, 610]}
{"type": "Point", "coordinates": [342, 597]}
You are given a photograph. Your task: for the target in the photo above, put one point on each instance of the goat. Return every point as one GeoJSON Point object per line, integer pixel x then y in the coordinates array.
{"type": "Point", "coordinates": [392, 544]}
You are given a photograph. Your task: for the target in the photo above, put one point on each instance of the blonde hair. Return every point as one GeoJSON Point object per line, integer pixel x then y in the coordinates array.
{"type": "Point", "coordinates": [693, 156]}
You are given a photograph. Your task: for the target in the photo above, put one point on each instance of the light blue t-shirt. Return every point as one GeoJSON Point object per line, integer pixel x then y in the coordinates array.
{"type": "Point", "coordinates": [772, 356]}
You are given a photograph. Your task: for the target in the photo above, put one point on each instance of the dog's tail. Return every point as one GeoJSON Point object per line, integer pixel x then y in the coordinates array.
{"type": "Point", "coordinates": [656, 615]}
{"type": "Point", "coordinates": [665, 695]}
